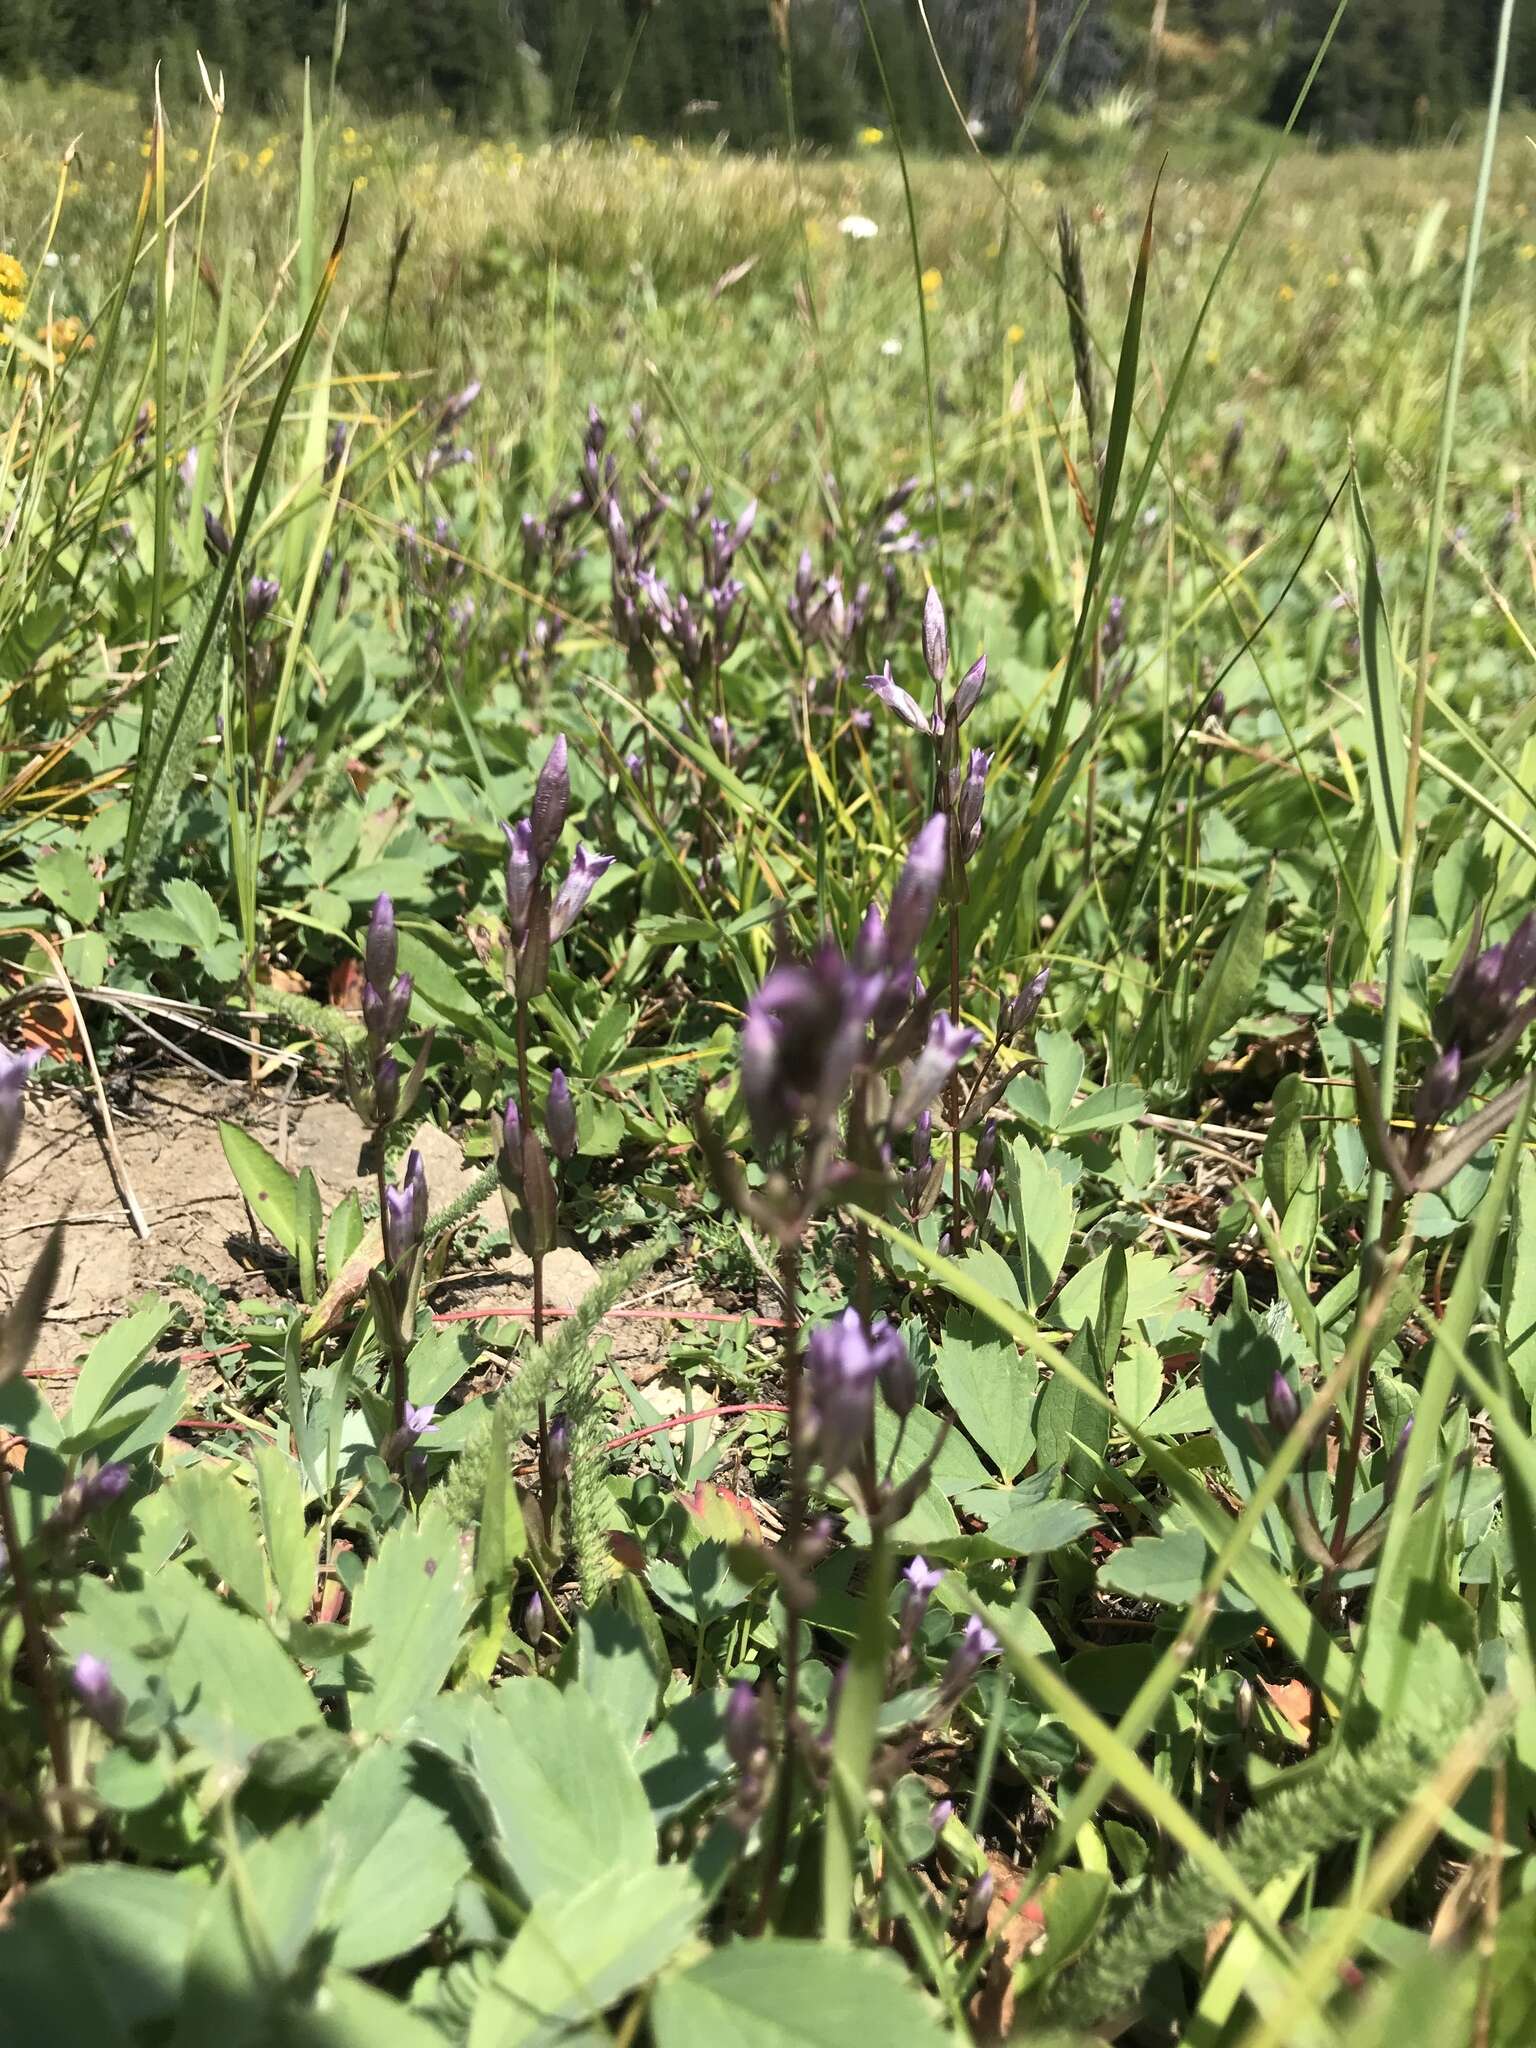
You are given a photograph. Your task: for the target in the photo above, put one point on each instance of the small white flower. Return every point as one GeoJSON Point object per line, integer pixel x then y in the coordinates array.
{"type": "Point", "coordinates": [891, 346]}
{"type": "Point", "coordinates": [51, 259]}
{"type": "Point", "coordinates": [858, 227]}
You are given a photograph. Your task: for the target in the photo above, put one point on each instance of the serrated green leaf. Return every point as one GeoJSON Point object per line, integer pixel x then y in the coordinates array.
{"type": "Point", "coordinates": [793, 1994]}
{"type": "Point", "coordinates": [217, 1510]}
{"type": "Point", "coordinates": [414, 1600]}
{"type": "Point", "coordinates": [992, 1389]}
{"type": "Point", "coordinates": [267, 1185]}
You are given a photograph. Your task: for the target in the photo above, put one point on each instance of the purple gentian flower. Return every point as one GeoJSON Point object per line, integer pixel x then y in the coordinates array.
{"type": "Point", "coordinates": [405, 1212]}
{"type": "Point", "coordinates": [551, 801]}
{"type": "Point", "coordinates": [582, 877]}
{"type": "Point", "coordinates": [948, 1044]}
{"type": "Point", "coordinates": [380, 948]}
{"type": "Point", "coordinates": [917, 890]}
{"type": "Point", "coordinates": [15, 1068]}
{"type": "Point", "coordinates": [560, 1116]}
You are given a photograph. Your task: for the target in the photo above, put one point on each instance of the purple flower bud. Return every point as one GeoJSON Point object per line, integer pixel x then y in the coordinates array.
{"type": "Point", "coordinates": [456, 407]}
{"type": "Point", "coordinates": [968, 806]}
{"type": "Point", "coordinates": [982, 1193]}
{"type": "Point", "coordinates": [261, 594]}
{"type": "Point", "coordinates": [557, 1444]}
{"type": "Point", "coordinates": [384, 1015]}
{"type": "Point", "coordinates": [533, 1620]}
{"type": "Point", "coordinates": [1281, 1405]}
{"type": "Point", "coordinates": [386, 1089]}
{"type": "Point", "coordinates": [512, 1140]}
{"type": "Point", "coordinates": [917, 890]}
{"type": "Point", "coordinates": [583, 876]}
{"type": "Point", "coordinates": [977, 1643]}
{"type": "Point", "coordinates": [744, 1727]}
{"type": "Point", "coordinates": [923, 1581]}
{"type": "Point", "coordinates": [405, 1212]}
{"type": "Point", "coordinates": [869, 946]}
{"type": "Point", "coordinates": [380, 949]}
{"type": "Point", "coordinates": [560, 1116]}
{"type": "Point", "coordinates": [1112, 638]}
{"type": "Point", "coordinates": [893, 1364]}
{"type": "Point", "coordinates": [1440, 1090]}
{"type": "Point", "coordinates": [551, 801]}
{"type": "Point", "coordinates": [969, 692]}
{"type": "Point", "coordinates": [522, 877]}
{"type": "Point", "coordinates": [902, 702]}
{"type": "Point", "coordinates": [986, 1145]}
{"type": "Point", "coordinates": [216, 531]}
{"type": "Point", "coordinates": [186, 469]}
{"type": "Point", "coordinates": [948, 1044]}
{"type": "Point", "coordinates": [802, 1037]}
{"type": "Point", "coordinates": [105, 1485]}
{"type": "Point", "coordinates": [941, 1816]}
{"type": "Point", "coordinates": [841, 1366]}
{"type": "Point", "coordinates": [1024, 1005]}
{"type": "Point", "coordinates": [935, 635]}
{"type": "Point", "coordinates": [15, 1067]}
{"type": "Point", "coordinates": [92, 1681]}
{"type": "Point", "coordinates": [977, 1903]}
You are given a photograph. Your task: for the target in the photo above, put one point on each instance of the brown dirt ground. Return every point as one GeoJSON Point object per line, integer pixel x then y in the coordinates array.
{"type": "Point", "coordinates": [168, 1142]}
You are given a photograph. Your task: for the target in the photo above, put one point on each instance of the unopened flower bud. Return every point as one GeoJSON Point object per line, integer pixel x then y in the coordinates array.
{"type": "Point", "coordinates": [560, 1117]}
{"type": "Point", "coordinates": [1281, 1405]}
{"type": "Point", "coordinates": [533, 1621]}
{"type": "Point", "coordinates": [551, 801]}
{"type": "Point", "coordinates": [405, 1212]}
{"type": "Point", "coordinates": [935, 635]}
{"type": "Point", "coordinates": [380, 947]}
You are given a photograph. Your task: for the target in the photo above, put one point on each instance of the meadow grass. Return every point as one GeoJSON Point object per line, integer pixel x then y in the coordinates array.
{"type": "Point", "coordinates": [290, 611]}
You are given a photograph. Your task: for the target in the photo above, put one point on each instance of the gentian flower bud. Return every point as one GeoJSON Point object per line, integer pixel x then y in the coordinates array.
{"type": "Point", "coordinates": [386, 1088]}
{"type": "Point", "coordinates": [558, 1444]}
{"type": "Point", "coordinates": [923, 1581]}
{"type": "Point", "coordinates": [511, 1140]}
{"type": "Point", "coordinates": [968, 692]}
{"type": "Point", "coordinates": [982, 1193]}
{"type": "Point", "coordinates": [941, 1816]}
{"type": "Point", "coordinates": [968, 807]}
{"type": "Point", "coordinates": [551, 801]}
{"type": "Point", "coordinates": [869, 946]}
{"type": "Point", "coordinates": [841, 1366]}
{"type": "Point", "coordinates": [895, 698]}
{"type": "Point", "coordinates": [216, 532]}
{"type": "Point", "coordinates": [261, 594]}
{"type": "Point", "coordinates": [977, 1643]}
{"type": "Point", "coordinates": [1024, 1005]}
{"type": "Point", "coordinates": [977, 1903]}
{"type": "Point", "coordinates": [744, 1727]}
{"type": "Point", "coordinates": [92, 1681]}
{"type": "Point", "coordinates": [560, 1116]}
{"type": "Point", "coordinates": [1440, 1090]}
{"type": "Point", "coordinates": [948, 1044]}
{"type": "Point", "coordinates": [533, 1621]}
{"type": "Point", "coordinates": [384, 1014]}
{"type": "Point", "coordinates": [917, 890]}
{"type": "Point", "coordinates": [522, 877]}
{"type": "Point", "coordinates": [1112, 639]}
{"type": "Point", "coordinates": [539, 1199]}
{"type": "Point", "coordinates": [15, 1067]}
{"type": "Point", "coordinates": [1281, 1405]}
{"type": "Point", "coordinates": [935, 635]}
{"type": "Point", "coordinates": [380, 948]}
{"type": "Point", "coordinates": [585, 871]}
{"type": "Point", "coordinates": [922, 1139]}
{"type": "Point", "coordinates": [893, 1364]}
{"type": "Point", "coordinates": [103, 1486]}
{"type": "Point", "coordinates": [405, 1212]}
{"type": "Point", "coordinates": [986, 1145]}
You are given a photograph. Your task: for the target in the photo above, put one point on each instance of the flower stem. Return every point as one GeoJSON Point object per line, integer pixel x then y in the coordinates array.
{"type": "Point", "coordinates": [39, 1658]}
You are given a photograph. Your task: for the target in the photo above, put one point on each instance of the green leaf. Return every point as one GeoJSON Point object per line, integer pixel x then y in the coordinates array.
{"type": "Point", "coordinates": [1102, 1109]}
{"type": "Point", "coordinates": [217, 1511]}
{"type": "Point", "coordinates": [1041, 1207]}
{"type": "Point", "coordinates": [399, 1855]}
{"type": "Point", "coordinates": [414, 1601]}
{"type": "Point", "coordinates": [344, 1233]}
{"type": "Point", "coordinates": [65, 878]}
{"type": "Point", "coordinates": [574, 1957]}
{"type": "Point", "coordinates": [1517, 1296]}
{"type": "Point", "coordinates": [1230, 982]}
{"type": "Point", "coordinates": [1169, 1569]}
{"type": "Point", "coordinates": [1061, 1072]}
{"type": "Point", "coordinates": [793, 1994]}
{"type": "Point", "coordinates": [1023, 1520]}
{"type": "Point", "coordinates": [1071, 1429]}
{"type": "Point", "coordinates": [991, 1389]}
{"type": "Point", "coordinates": [293, 1551]}
{"type": "Point", "coordinates": [613, 1665]}
{"type": "Point", "coordinates": [230, 1685]}
{"type": "Point", "coordinates": [1386, 755]}
{"type": "Point", "coordinates": [112, 1361]}
{"type": "Point", "coordinates": [1152, 1288]}
{"type": "Point", "coordinates": [307, 1220]}
{"type": "Point", "coordinates": [269, 1188]}
{"type": "Point", "coordinates": [63, 1949]}
{"type": "Point", "coordinates": [563, 1798]}
{"type": "Point", "coordinates": [195, 908]}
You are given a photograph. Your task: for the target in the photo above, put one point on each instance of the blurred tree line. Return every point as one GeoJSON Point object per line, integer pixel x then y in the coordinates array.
{"type": "Point", "coordinates": [1399, 71]}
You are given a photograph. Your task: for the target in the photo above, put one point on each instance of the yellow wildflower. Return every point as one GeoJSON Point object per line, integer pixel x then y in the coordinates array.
{"type": "Point", "coordinates": [240, 160]}
{"type": "Point", "coordinates": [349, 136]}
{"type": "Point", "coordinates": [931, 281]}
{"type": "Point", "coordinates": [1527, 251]}
{"type": "Point", "coordinates": [870, 136]}
{"type": "Point", "coordinates": [13, 285]}
{"type": "Point", "coordinates": [360, 184]}
{"type": "Point", "coordinates": [190, 155]}
{"type": "Point", "coordinates": [1015, 335]}
{"type": "Point", "coordinates": [264, 157]}
{"type": "Point", "coordinates": [61, 335]}
{"type": "Point", "coordinates": [144, 149]}
{"type": "Point", "coordinates": [1286, 293]}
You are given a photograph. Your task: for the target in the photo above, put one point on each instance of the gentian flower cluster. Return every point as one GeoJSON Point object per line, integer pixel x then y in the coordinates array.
{"type": "Point", "coordinates": [381, 1097]}
{"type": "Point", "coordinates": [1483, 1013]}
{"type": "Point", "coordinates": [535, 921]}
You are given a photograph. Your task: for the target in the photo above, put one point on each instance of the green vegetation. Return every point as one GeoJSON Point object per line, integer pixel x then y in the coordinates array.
{"type": "Point", "coordinates": [481, 622]}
